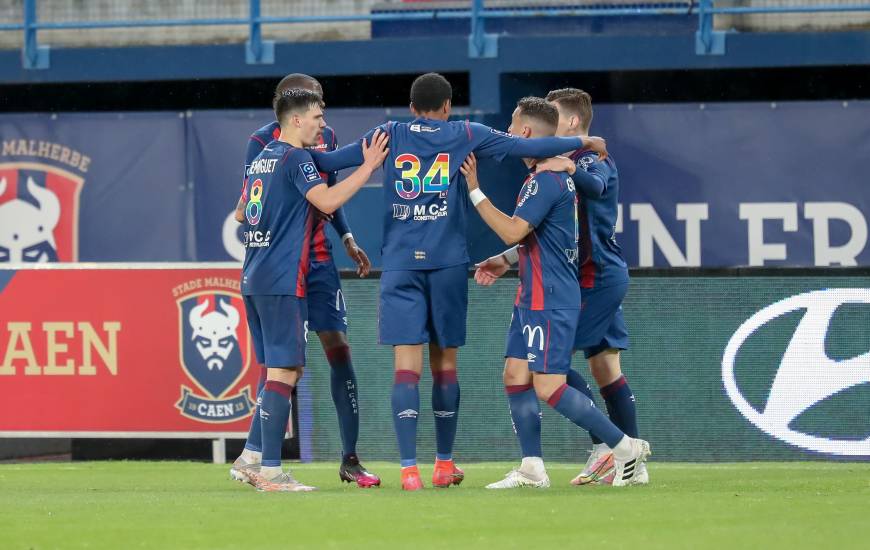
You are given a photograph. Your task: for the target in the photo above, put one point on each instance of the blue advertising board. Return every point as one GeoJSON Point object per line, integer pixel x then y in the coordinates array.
{"type": "Point", "coordinates": [715, 185]}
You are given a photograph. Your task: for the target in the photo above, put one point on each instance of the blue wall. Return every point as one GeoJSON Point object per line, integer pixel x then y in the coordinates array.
{"type": "Point", "coordinates": [696, 181]}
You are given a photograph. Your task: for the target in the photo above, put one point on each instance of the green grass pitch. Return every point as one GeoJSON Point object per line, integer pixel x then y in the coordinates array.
{"type": "Point", "coordinates": [194, 505]}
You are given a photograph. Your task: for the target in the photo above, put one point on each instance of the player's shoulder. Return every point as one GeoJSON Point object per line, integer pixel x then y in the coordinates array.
{"type": "Point", "coordinates": [560, 180]}
{"type": "Point", "coordinates": [585, 159]}
{"type": "Point", "coordinates": [267, 133]}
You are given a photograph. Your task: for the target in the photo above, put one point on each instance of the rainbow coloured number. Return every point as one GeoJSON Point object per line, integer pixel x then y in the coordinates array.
{"type": "Point", "coordinates": [436, 180]}
{"type": "Point", "coordinates": [255, 206]}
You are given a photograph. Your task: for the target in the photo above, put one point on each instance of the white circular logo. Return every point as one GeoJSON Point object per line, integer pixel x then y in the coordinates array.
{"type": "Point", "coordinates": [806, 375]}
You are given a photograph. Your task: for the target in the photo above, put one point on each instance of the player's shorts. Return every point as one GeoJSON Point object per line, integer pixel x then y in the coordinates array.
{"type": "Point", "coordinates": [423, 306]}
{"type": "Point", "coordinates": [279, 329]}
{"type": "Point", "coordinates": [602, 325]}
{"type": "Point", "coordinates": [326, 308]}
{"type": "Point", "coordinates": [543, 338]}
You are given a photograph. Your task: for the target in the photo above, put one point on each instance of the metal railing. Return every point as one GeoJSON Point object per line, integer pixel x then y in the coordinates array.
{"type": "Point", "coordinates": [480, 44]}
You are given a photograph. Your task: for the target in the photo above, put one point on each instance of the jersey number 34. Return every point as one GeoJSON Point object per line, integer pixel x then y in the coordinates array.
{"type": "Point", "coordinates": [436, 180]}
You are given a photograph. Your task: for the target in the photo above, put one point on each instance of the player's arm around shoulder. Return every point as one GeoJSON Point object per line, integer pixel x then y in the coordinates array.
{"type": "Point", "coordinates": [329, 199]}
{"type": "Point", "coordinates": [510, 229]}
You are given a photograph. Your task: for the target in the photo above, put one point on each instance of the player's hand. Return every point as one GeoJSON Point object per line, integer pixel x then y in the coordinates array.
{"type": "Point", "coordinates": [375, 153]}
{"type": "Point", "coordinates": [490, 269]}
{"type": "Point", "coordinates": [597, 145]}
{"type": "Point", "coordinates": [359, 257]}
{"type": "Point", "coordinates": [322, 215]}
{"type": "Point", "coordinates": [557, 164]}
{"type": "Point", "coordinates": [469, 170]}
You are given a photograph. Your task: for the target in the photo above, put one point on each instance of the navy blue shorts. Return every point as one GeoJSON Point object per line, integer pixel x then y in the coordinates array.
{"type": "Point", "coordinates": [601, 325]}
{"type": "Point", "coordinates": [279, 329]}
{"type": "Point", "coordinates": [543, 338]}
{"type": "Point", "coordinates": [418, 307]}
{"type": "Point", "coordinates": [326, 308]}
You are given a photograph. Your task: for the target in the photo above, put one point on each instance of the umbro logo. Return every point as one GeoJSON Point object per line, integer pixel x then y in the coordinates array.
{"type": "Point", "coordinates": [531, 357]}
{"type": "Point", "coordinates": [444, 414]}
{"type": "Point", "coordinates": [407, 413]}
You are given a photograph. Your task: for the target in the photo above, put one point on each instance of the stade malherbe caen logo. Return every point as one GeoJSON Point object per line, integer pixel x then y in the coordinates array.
{"type": "Point", "coordinates": [39, 201]}
{"type": "Point", "coordinates": [807, 376]}
{"type": "Point", "coordinates": [214, 351]}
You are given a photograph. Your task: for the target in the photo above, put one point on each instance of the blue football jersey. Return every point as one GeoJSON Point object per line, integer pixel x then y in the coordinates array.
{"type": "Point", "coordinates": [320, 245]}
{"type": "Point", "coordinates": [601, 260]}
{"type": "Point", "coordinates": [278, 221]}
{"type": "Point", "coordinates": [425, 208]}
{"type": "Point", "coordinates": [548, 254]}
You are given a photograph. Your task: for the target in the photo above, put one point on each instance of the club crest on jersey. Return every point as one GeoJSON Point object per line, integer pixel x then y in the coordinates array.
{"type": "Point", "coordinates": [215, 353]}
{"type": "Point", "coordinates": [309, 171]}
{"type": "Point", "coordinates": [39, 213]}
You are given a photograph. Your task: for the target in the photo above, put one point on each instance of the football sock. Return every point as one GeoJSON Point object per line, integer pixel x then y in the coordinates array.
{"type": "Point", "coordinates": [576, 381]}
{"type": "Point", "coordinates": [255, 435]}
{"type": "Point", "coordinates": [342, 384]}
{"type": "Point", "coordinates": [579, 409]}
{"type": "Point", "coordinates": [274, 413]}
{"type": "Point", "coordinates": [445, 407]}
{"type": "Point", "coordinates": [623, 450]}
{"type": "Point", "coordinates": [406, 407]}
{"type": "Point", "coordinates": [534, 466]}
{"type": "Point", "coordinates": [526, 418]}
{"type": "Point", "coordinates": [620, 405]}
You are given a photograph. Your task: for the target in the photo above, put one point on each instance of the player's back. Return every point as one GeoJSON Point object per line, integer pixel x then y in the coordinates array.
{"type": "Point", "coordinates": [548, 254]}
{"type": "Point", "coordinates": [425, 196]}
{"type": "Point", "coordinates": [600, 256]}
{"type": "Point", "coordinates": [425, 205]}
{"type": "Point", "coordinates": [278, 221]}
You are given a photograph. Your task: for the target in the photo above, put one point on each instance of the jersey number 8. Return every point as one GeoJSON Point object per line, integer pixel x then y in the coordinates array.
{"type": "Point", "coordinates": [436, 180]}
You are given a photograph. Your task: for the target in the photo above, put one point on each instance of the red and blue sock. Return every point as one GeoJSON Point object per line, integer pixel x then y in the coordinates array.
{"type": "Point", "coordinates": [406, 408]}
{"type": "Point", "coordinates": [576, 381]}
{"type": "Point", "coordinates": [342, 384]}
{"type": "Point", "coordinates": [274, 414]}
{"type": "Point", "coordinates": [526, 418]}
{"type": "Point", "coordinates": [445, 407]}
{"type": "Point", "coordinates": [580, 410]}
{"type": "Point", "coordinates": [255, 434]}
{"type": "Point", "coordinates": [621, 406]}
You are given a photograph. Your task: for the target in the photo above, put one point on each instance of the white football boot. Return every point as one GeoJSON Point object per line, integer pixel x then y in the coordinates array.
{"type": "Point", "coordinates": [626, 471]}
{"type": "Point", "coordinates": [531, 473]}
{"type": "Point", "coordinates": [598, 466]}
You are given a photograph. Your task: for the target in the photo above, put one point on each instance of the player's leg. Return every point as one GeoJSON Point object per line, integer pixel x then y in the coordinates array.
{"type": "Point", "coordinates": [249, 460]}
{"type": "Point", "coordinates": [557, 331]}
{"type": "Point", "coordinates": [445, 407]}
{"type": "Point", "coordinates": [447, 295]}
{"type": "Point", "coordinates": [402, 315]}
{"type": "Point", "coordinates": [283, 326]}
{"type": "Point", "coordinates": [405, 401]}
{"type": "Point", "coordinates": [525, 417]}
{"type": "Point", "coordinates": [327, 316]}
{"type": "Point", "coordinates": [599, 309]}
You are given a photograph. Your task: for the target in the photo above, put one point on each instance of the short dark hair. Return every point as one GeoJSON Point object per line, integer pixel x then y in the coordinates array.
{"type": "Point", "coordinates": [296, 80]}
{"type": "Point", "coordinates": [429, 92]}
{"type": "Point", "coordinates": [296, 100]}
{"type": "Point", "coordinates": [576, 101]}
{"type": "Point", "coordinates": [539, 110]}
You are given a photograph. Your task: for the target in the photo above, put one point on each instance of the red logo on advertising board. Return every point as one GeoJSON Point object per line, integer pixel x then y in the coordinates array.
{"type": "Point", "coordinates": [39, 213]}
{"type": "Point", "coordinates": [215, 353]}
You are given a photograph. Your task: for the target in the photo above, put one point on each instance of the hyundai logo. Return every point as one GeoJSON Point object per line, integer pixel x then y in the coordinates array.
{"type": "Point", "coordinates": [806, 375]}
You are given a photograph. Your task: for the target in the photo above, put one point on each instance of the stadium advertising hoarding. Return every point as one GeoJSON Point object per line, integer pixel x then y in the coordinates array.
{"type": "Point", "coordinates": [726, 184]}
{"type": "Point", "coordinates": [124, 351]}
{"type": "Point", "coordinates": [723, 368]}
